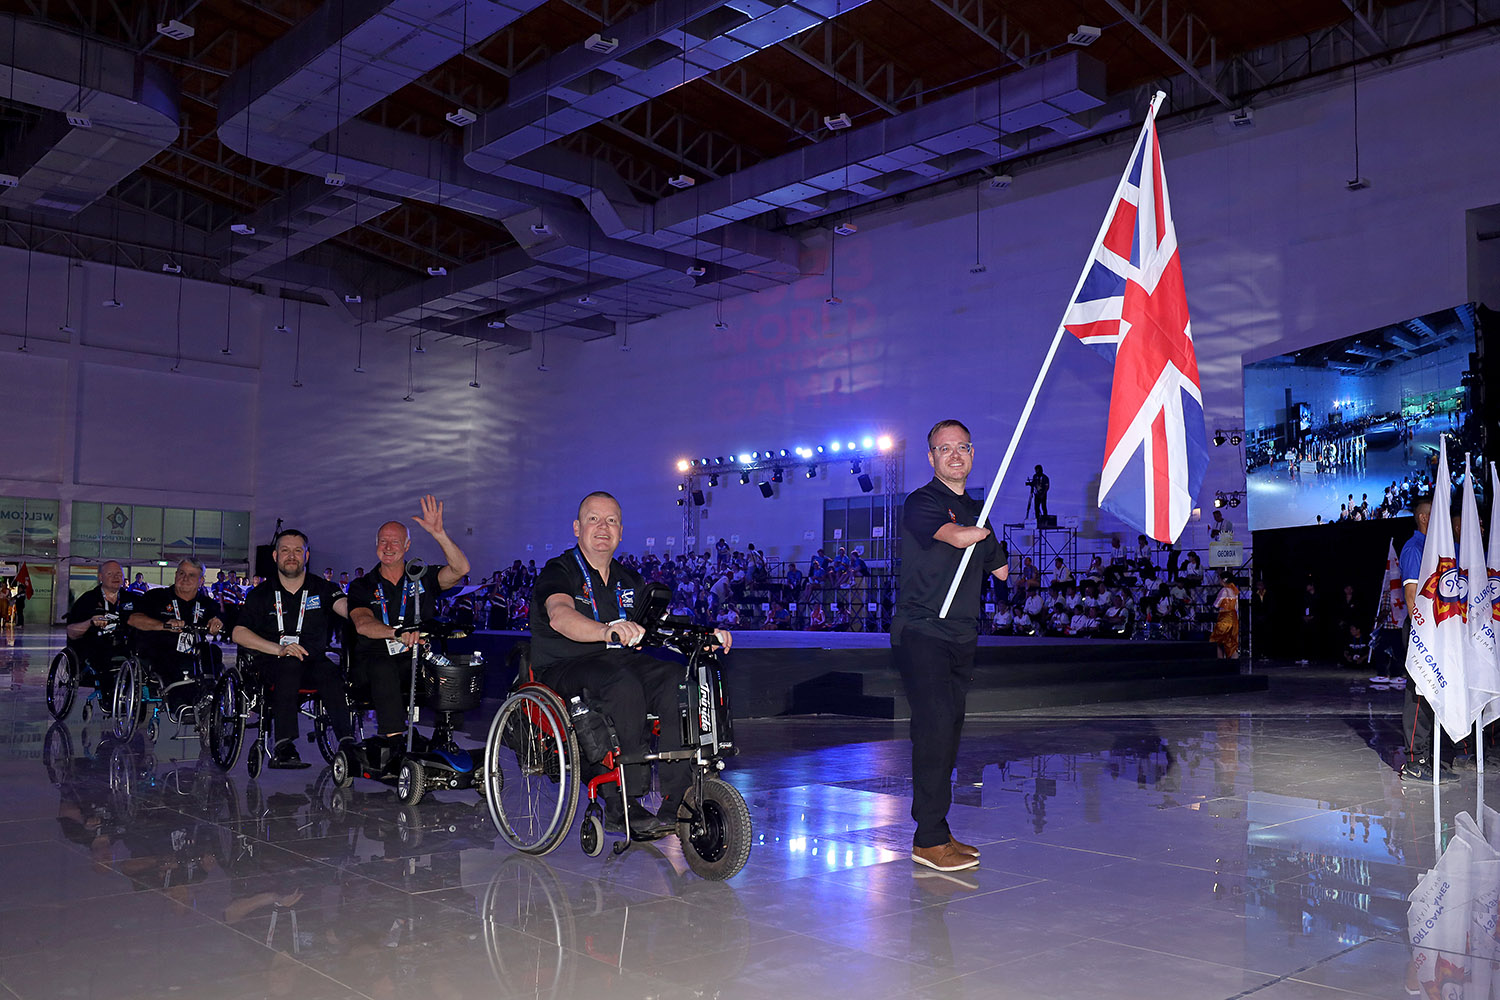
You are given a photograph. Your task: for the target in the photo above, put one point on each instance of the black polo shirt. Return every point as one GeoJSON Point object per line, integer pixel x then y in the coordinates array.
{"type": "Point", "coordinates": [571, 574]}
{"type": "Point", "coordinates": [91, 604]}
{"type": "Point", "coordinates": [386, 601]}
{"type": "Point", "coordinates": [163, 604]}
{"type": "Point", "coordinates": [318, 621]}
{"type": "Point", "coordinates": [928, 565]}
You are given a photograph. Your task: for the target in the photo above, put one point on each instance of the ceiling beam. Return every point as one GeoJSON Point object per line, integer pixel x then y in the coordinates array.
{"type": "Point", "coordinates": [1193, 33]}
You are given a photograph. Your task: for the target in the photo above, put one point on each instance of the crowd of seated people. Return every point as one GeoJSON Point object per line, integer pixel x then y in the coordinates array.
{"type": "Point", "coordinates": [1129, 596]}
{"type": "Point", "coordinates": [745, 589]}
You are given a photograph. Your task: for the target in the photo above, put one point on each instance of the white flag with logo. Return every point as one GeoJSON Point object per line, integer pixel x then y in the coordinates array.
{"type": "Point", "coordinates": [1437, 657]}
{"type": "Point", "coordinates": [1492, 591]}
{"type": "Point", "coordinates": [1452, 918]}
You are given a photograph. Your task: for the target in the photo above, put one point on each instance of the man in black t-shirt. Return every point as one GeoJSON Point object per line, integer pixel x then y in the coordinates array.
{"type": "Point", "coordinates": [581, 637]}
{"type": "Point", "coordinates": [384, 603]}
{"type": "Point", "coordinates": [935, 654]}
{"type": "Point", "coordinates": [159, 618]}
{"type": "Point", "coordinates": [96, 622]}
{"type": "Point", "coordinates": [289, 621]}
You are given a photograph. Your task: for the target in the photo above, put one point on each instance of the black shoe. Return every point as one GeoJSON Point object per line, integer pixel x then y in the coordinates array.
{"type": "Point", "coordinates": [1420, 769]}
{"type": "Point", "coordinates": [286, 756]}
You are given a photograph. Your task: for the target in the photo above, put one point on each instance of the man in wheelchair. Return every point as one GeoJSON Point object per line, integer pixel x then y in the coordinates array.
{"type": "Point", "coordinates": [165, 620]}
{"type": "Point", "coordinates": [582, 640]}
{"type": "Point", "coordinates": [288, 623]}
{"type": "Point", "coordinates": [94, 624]}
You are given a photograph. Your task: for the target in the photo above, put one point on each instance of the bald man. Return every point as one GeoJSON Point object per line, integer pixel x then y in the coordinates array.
{"type": "Point", "coordinates": [383, 602]}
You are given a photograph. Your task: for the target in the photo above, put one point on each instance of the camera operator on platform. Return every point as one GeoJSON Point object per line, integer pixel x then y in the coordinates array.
{"type": "Point", "coordinates": [384, 600]}
{"type": "Point", "coordinates": [1039, 483]}
{"type": "Point", "coordinates": [582, 639]}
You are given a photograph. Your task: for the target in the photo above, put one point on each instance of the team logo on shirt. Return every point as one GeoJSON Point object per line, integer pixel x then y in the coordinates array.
{"type": "Point", "coordinates": [627, 600]}
{"type": "Point", "coordinates": [314, 602]}
{"type": "Point", "coordinates": [1448, 590]}
{"type": "Point", "coordinates": [952, 517]}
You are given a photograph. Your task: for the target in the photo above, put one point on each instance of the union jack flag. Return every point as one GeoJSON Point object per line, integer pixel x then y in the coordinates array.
{"type": "Point", "coordinates": [1131, 306]}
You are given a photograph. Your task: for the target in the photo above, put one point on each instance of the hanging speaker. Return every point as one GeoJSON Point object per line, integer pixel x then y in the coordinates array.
{"type": "Point", "coordinates": [698, 499]}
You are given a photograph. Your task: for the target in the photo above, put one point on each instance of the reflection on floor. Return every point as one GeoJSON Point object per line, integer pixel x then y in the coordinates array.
{"type": "Point", "coordinates": [1251, 845]}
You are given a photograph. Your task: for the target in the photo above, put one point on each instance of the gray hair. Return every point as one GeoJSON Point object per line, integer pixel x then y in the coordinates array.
{"type": "Point", "coordinates": [192, 561]}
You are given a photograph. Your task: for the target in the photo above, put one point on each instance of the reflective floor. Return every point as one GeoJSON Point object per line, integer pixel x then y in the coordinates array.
{"type": "Point", "coordinates": [1251, 845]}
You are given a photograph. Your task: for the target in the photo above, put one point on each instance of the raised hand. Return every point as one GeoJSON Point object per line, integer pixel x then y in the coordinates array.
{"type": "Point", "coordinates": [431, 518]}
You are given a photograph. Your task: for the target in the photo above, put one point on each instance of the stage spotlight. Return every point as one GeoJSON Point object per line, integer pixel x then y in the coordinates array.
{"type": "Point", "coordinates": [884, 442]}
{"type": "Point", "coordinates": [1234, 501]}
{"type": "Point", "coordinates": [783, 453]}
{"type": "Point", "coordinates": [812, 472]}
{"type": "Point", "coordinates": [854, 468]}
{"type": "Point", "coordinates": [1219, 439]}
{"type": "Point", "coordinates": [755, 455]}
{"type": "Point", "coordinates": [865, 483]}
{"type": "Point", "coordinates": [1219, 500]}
{"type": "Point", "coordinates": [833, 447]}
{"type": "Point", "coordinates": [719, 461]}
{"type": "Point", "coordinates": [744, 479]}
{"type": "Point", "coordinates": [766, 490]}
{"type": "Point", "coordinates": [681, 487]}
{"type": "Point", "coordinates": [682, 465]}
{"type": "Point", "coordinates": [744, 458]}
{"type": "Point", "coordinates": [851, 445]}
{"type": "Point", "coordinates": [698, 498]}
{"type": "Point", "coordinates": [681, 502]}
{"type": "Point", "coordinates": [776, 476]}
{"type": "Point", "coordinates": [1234, 439]}
{"type": "Point", "coordinates": [704, 462]}
{"type": "Point", "coordinates": [820, 449]}
{"type": "Point", "coordinates": [867, 443]}
{"type": "Point", "coordinates": [713, 479]}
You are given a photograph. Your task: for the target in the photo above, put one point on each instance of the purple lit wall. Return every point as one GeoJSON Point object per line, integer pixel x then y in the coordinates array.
{"type": "Point", "coordinates": [1276, 254]}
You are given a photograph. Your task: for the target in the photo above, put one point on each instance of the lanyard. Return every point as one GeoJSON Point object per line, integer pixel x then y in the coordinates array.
{"type": "Point", "coordinates": [588, 587]}
{"type": "Point", "coordinates": [406, 587]}
{"type": "Point", "coordinates": [301, 613]}
{"type": "Point", "coordinates": [197, 611]}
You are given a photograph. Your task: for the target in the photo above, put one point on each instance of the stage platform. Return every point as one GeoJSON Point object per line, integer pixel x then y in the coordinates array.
{"type": "Point", "coordinates": [849, 673]}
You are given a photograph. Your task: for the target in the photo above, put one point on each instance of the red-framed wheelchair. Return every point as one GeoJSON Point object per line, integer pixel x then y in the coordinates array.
{"type": "Point", "coordinates": [532, 759]}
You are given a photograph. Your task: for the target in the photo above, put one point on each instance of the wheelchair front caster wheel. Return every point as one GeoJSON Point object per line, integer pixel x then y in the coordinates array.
{"type": "Point", "coordinates": [151, 730]}
{"type": "Point", "coordinates": [88, 710]}
{"type": "Point", "coordinates": [256, 759]}
{"type": "Point", "coordinates": [341, 770]}
{"type": "Point", "coordinates": [591, 834]}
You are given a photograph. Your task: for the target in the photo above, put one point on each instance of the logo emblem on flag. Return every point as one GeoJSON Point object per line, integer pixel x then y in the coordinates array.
{"type": "Point", "coordinates": [1448, 590]}
{"type": "Point", "coordinates": [1131, 306]}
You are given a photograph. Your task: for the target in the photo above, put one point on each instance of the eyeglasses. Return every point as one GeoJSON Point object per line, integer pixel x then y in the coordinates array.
{"type": "Point", "coordinates": [944, 450]}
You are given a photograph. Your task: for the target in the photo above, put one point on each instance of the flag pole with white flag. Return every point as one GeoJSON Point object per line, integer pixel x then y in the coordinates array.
{"type": "Point", "coordinates": [1439, 657]}
{"type": "Point", "coordinates": [1482, 673]}
{"type": "Point", "coordinates": [1130, 304]}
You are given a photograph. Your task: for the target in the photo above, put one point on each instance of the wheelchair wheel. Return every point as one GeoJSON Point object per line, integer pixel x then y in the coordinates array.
{"type": "Point", "coordinates": [257, 757]}
{"type": "Point", "coordinates": [410, 782]}
{"type": "Point", "coordinates": [530, 931]}
{"type": "Point", "coordinates": [226, 723]}
{"type": "Point", "coordinates": [716, 843]}
{"type": "Point", "coordinates": [62, 682]}
{"type": "Point", "coordinates": [531, 771]}
{"type": "Point", "coordinates": [125, 705]}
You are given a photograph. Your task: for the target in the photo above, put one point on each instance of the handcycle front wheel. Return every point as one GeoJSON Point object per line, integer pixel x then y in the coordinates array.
{"type": "Point", "coordinates": [716, 842]}
{"type": "Point", "coordinates": [62, 682]}
{"type": "Point", "coordinates": [531, 771]}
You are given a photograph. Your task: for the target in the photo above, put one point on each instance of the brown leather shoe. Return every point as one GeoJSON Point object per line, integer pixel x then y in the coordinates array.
{"type": "Point", "coordinates": [961, 847]}
{"type": "Point", "coordinates": [943, 858]}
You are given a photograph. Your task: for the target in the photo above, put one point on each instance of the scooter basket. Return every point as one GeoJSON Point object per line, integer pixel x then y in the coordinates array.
{"type": "Point", "coordinates": [453, 684]}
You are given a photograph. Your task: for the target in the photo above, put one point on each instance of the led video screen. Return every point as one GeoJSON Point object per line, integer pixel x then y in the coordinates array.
{"type": "Point", "coordinates": [1349, 429]}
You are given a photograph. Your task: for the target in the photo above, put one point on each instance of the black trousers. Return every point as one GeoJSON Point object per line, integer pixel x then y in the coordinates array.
{"type": "Point", "coordinates": [288, 674]}
{"type": "Point", "coordinates": [625, 685]}
{"type": "Point", "coordinates": [387, 676]}
{"type": "Point", "coordinates": [937, 674]}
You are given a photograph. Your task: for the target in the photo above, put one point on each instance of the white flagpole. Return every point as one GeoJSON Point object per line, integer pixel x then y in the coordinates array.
{"type": "Point", "coordinates": [1036, 387]}
{"type": "Point", "coordinates": [1437, 795]}
{"type": "Point", "coordinates": [1479, 771]}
